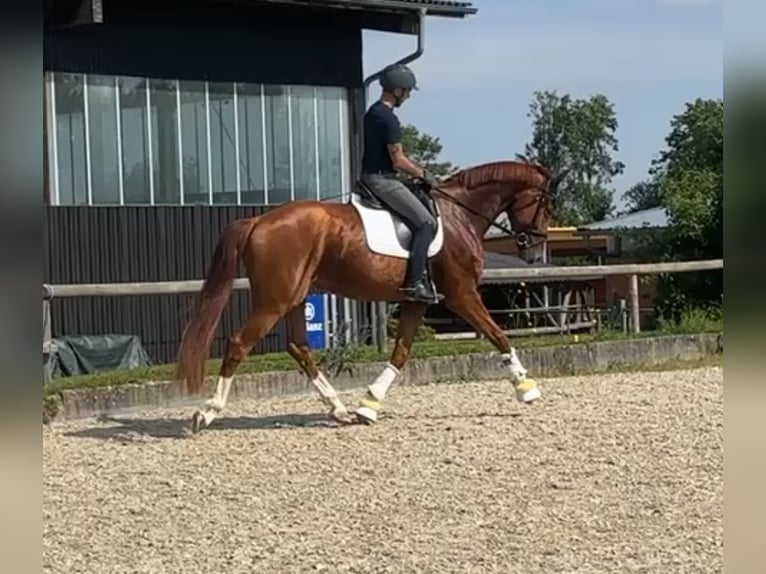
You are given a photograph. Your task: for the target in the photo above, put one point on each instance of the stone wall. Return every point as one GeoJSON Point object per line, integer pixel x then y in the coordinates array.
{"type": "Point", "coordinates": [540, 362]}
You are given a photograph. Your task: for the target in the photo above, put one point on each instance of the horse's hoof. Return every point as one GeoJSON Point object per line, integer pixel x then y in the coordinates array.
{"type": "Point", "coordinates": [528, 392]}
{"type": "Point", "coordinates": [367, 415]}
{"type": "Point", "coordinates": [198, 422]}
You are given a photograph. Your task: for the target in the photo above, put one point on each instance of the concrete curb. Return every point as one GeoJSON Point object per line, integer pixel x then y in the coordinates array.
{"type": "Point", "coordinates": [541, 362]}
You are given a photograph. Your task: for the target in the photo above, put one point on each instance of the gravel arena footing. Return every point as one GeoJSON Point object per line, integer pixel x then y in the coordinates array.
{"type": "Point", "coordinates": [607, 473]}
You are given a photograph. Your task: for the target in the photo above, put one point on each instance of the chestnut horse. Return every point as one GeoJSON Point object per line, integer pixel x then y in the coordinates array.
{"type": "Point", "coordinates": [358, 250]}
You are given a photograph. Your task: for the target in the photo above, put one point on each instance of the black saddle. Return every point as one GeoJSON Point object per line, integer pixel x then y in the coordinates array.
{"type": "Point", "coordinates": [368, 198]}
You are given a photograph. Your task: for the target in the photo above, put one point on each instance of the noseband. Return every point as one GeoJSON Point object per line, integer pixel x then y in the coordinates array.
{"type": "Point", "coordinates": [522, 236]}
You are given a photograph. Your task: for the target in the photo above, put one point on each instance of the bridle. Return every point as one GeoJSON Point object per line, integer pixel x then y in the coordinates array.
{"type": "Point", "coordinates": [522, 236]}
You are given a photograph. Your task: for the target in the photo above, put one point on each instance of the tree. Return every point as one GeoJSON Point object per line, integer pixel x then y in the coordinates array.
{"type": "Point", "coordinates": [689, 177]}
{"type": "Point", "coordinates": [690, 171]}
{"type": "Point", "coordinates": [578, 134]}
{"type": "Point", "coordinates": [643, 195]}
{"type": "Point", "coordinates": [424, 150]}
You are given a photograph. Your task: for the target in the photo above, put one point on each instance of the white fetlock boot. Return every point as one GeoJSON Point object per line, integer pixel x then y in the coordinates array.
{"type": "Point", "coordinates": [376, 392]}
{"type": "Point", "coordinates": [330, 398]}
{"type": "Point", "coordinates": [527, 390]}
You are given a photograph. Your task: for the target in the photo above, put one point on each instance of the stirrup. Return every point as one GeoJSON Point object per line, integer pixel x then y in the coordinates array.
{"type": "Point", "coordinates": [428, 293]}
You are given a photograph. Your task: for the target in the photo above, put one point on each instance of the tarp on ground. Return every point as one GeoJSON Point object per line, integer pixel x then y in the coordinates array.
{"type": "Point", "coordinates": [87, 354]}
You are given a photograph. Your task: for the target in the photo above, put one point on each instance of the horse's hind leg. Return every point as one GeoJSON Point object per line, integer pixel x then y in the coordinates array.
{"type": "Point", "coordinates": [299, 350]}
{"type": "Point", "coordinates": [409, 319]}
{"type": "Point", "coordinates": [238, 347]}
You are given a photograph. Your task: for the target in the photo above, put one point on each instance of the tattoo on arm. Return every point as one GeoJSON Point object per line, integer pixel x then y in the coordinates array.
{"type": "Point", "coordinates": [400, 160]}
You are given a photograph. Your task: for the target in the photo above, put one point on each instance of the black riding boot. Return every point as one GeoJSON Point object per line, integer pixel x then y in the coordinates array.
{"type": "Point", "coordinates": [416, 287]}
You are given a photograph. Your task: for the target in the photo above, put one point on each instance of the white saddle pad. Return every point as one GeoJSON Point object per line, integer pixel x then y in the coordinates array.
{"type": "Point", "coordinates": [386, 234]}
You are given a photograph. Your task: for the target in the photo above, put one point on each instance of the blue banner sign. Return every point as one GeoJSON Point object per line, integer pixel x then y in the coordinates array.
{"type": "Point", "coordinates": [316, 311]}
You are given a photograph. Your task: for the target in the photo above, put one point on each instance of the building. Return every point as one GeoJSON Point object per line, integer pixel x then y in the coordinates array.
{"type": "Point", "coordinates": [624, 234]}
{"type": "Point", "coordinates": [622, 229]}
{"type": "Point", "coordinates": [561, 242]}
{"type": "Point", "coordinates": [166, 119]}
{"type": "Point", "coordinates": [613, 239]}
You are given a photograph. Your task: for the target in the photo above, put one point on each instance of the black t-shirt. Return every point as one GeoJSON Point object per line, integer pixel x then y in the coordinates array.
{"type": "Point", "coordinates": [381, 128]}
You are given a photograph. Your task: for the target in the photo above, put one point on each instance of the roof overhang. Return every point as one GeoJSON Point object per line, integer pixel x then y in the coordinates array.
{"type": "Point", "coordinates": [387, 15]}
{"type": "Point", "coordinates": [443, 8]}
{"type": "Point", "coordinates": [384, 15]}
{"type": "Point", "coordinates": [652, 219]}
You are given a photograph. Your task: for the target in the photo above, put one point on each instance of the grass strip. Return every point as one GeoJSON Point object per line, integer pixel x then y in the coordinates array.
{"type": "Point", "coordinates": [336, 360]}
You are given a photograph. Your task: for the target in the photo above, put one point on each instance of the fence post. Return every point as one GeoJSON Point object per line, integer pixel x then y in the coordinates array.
{"type": "Point", "coordinates": [623, 311]}
{"type": "Point", "coordinates": [46, 337]}
{"type": "Point", "coordinates": [634, 308]}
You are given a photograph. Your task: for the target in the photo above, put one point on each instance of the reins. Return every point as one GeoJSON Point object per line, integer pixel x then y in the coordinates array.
{"type": "Point", "coordinates": [519, 236]}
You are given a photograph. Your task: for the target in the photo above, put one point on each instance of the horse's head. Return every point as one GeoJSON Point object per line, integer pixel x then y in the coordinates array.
{"type": "Point", "coordinates": [532, 206]}
{"type": "Point", "coordinates": [523, 189]}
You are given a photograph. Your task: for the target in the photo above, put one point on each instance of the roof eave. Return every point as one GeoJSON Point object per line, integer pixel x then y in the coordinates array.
{"type": "Point", "coordinates": [398, 16]}
{"type": "Point", "coordinates": [404, 7]}
{"type": "Point", "coordinates": [394, 7]}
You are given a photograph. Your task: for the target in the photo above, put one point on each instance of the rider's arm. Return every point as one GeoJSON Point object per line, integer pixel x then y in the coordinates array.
{"type": "Point", "coordinates": [396, 151]}
{"type": "Point", "coordinates": [401, 161]}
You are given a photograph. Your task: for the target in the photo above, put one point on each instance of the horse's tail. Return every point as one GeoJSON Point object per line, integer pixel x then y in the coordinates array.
{"type": "Point", "coordinates": [198, 334]}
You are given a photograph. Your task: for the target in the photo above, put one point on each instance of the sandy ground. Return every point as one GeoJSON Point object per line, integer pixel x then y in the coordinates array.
{"type": "Point", "coordinates": [612, 474]}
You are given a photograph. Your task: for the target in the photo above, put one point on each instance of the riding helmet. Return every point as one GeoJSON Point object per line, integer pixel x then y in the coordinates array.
{"type": "Point", "coordinates": [398, 76]}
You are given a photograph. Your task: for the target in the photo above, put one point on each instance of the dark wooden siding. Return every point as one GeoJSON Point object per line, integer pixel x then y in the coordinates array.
{"type": "Point", "coordinates": [119, 244]}
{"type": "Point", "coordinates": [214, 41]}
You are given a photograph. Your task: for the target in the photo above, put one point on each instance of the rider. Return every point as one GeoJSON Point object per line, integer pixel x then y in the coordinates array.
{"type": "Point", "coordinates": [383, 154]}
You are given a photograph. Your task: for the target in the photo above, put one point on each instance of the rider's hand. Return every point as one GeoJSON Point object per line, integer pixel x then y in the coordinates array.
{"type": "Point", "coordinates": [428, 180]}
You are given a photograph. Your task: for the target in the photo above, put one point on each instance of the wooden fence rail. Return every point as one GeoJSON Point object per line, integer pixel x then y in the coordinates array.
{"type": "Point", "coordinates": [489, 276]}
{"type": "Point", "coordinates": [633, 270]}
{"type": "Point", "coordinates": [494, 275]}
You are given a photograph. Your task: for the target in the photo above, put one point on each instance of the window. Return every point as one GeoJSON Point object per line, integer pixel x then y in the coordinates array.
{"type": "Point", "coordinates": [71, 158]}
{"type": "Point", "coordinates": [145, 141]}
{"type": "Point", "coordinates": [102, 127]}
{"type": "Point", "coordinates": [223, 143]}
{"type": "Point", "coordinates": [252, 143]}
{"type": "Point", "coordinates": [134, 140]}
{"type": "Point", "coordinates": [329, 104]}
{"type": "Point", "coordinates": [304, 130]}
{"type": "Point", "coordinates": [164, 148]}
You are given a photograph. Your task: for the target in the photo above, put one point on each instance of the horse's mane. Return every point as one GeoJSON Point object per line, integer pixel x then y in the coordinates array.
{"type": "Point", "coordinates": [497, 172]}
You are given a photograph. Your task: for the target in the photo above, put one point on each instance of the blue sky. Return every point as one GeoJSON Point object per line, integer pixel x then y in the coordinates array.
{"type": "Point", "coordinates": [477, 75]}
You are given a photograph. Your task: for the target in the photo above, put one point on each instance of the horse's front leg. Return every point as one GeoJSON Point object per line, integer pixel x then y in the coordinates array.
{"type": "Point", "coordinates": [468, 304]}
{"type": "Point", "coordinates": [409, 320]}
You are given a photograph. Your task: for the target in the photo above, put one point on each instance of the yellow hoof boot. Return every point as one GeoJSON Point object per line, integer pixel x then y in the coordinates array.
{"type": "Point", "coordinates": [368, 411]}
{"type": "Point", "coordinates": [527, 391]}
